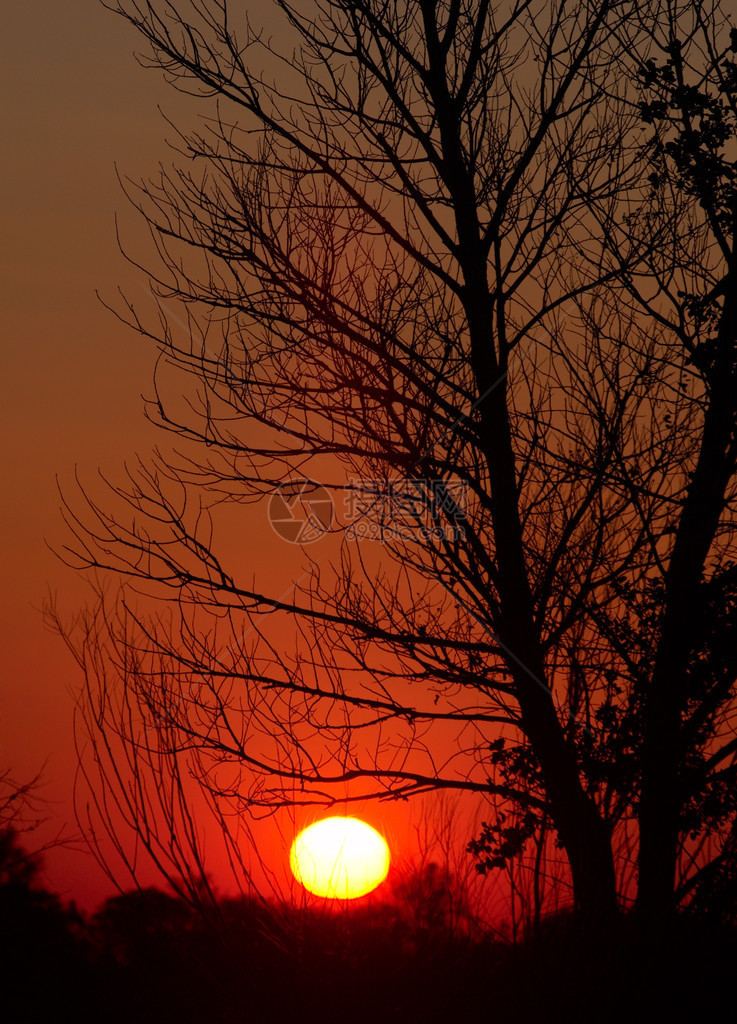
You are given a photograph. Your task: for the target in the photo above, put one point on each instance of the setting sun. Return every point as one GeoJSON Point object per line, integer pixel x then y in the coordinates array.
{"type": "Point", "coordinates": [339, 858]}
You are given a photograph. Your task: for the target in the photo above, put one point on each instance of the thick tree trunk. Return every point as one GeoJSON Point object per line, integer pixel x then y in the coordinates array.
{"type": "Point", "coordinates": [574, 813]}
{"type": "Point", "coordinates": [661, 796]}
{"type": "Point", "coordinates": [582, 832]}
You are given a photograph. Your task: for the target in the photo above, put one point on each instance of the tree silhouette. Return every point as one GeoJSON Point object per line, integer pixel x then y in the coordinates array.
{"type": "Point", "coordinates": [18, 813]}
{"type": "Point", "coordinates": [425, 257]}
{"type": "Point", "coordinates": [688, 289]}
{"type": "Point", "coordinates": [45, 955]}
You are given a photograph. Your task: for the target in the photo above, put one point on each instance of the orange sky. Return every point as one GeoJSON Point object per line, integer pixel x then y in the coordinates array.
{"type": "Point", "coordinates": [75, 103]}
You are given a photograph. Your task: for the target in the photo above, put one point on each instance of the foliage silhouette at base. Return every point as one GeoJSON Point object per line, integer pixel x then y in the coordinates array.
{"type": "Point", "coordinates": [146, 956]}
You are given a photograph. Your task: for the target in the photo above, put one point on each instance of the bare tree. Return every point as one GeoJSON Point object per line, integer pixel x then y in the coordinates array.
{"type": "Point", "coordinates": [389, 259]}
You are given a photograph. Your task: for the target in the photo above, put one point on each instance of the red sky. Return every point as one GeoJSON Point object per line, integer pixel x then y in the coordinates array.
{"type": "Point", "coordinates": [76, 103]}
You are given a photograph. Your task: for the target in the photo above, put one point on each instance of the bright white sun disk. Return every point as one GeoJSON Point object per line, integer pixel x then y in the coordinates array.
{"type": "Point", "coordinates": [339, 858]}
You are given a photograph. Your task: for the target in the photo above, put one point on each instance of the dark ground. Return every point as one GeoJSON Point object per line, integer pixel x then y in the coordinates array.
{"type": "Point", "coordinates": [147, 957]}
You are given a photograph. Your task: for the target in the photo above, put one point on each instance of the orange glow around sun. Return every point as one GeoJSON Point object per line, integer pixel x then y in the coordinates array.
{"type": "Point", "coordinates": [339, 858]}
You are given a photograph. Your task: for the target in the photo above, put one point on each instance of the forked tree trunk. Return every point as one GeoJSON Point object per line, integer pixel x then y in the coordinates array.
{"type": "Point", "coordinates": [574, 813]}
{"type": "Point", "coordinates": [582, 831]}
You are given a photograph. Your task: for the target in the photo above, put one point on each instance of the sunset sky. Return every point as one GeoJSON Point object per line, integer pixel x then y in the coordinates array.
{"type": "Point", "coordinates": [368, 529]}
{"type": "Point", "coordinates": [76, 105]}
{"type": "Point", "coordinates": [74, 102]}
